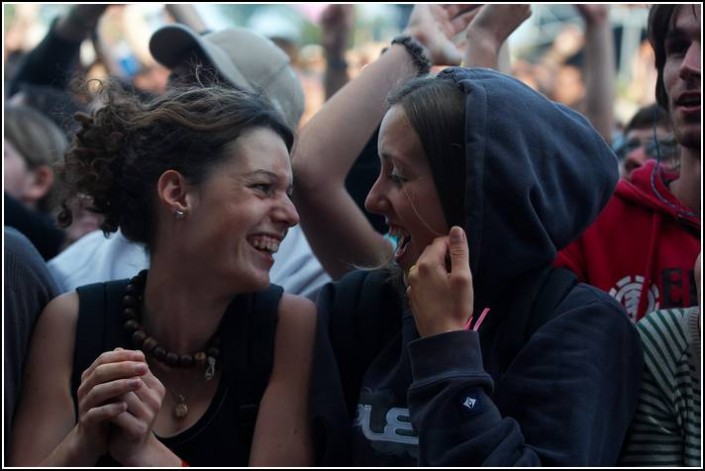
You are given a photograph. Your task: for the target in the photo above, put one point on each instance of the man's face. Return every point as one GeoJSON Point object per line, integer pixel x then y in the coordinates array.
{"type": "Point", "coordinates": [681, 74]}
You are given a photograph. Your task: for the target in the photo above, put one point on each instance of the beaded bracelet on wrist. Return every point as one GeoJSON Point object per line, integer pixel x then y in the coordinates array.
{"type": "Point", "coordinates": [416, 51]}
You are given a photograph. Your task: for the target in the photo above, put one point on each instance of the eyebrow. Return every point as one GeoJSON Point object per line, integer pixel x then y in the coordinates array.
{"type": "Point", "coordinates": [261, 172]}
{"type": "Point", "coordinates": [384, 157]}
{"type": "Point", "coordinates": [678, 32]}
{"type": "Point", "coordinates": [270, 174]}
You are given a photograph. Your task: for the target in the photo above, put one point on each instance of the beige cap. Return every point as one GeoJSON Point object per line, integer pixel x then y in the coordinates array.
{"type": "Point", "coordinates": [244, 58]}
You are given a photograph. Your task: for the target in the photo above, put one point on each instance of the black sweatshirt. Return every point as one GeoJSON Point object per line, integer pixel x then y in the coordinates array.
{"type": "Point", "coordinates": [537, 174]}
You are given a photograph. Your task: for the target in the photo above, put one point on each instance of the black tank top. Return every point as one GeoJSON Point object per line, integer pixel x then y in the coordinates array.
{"type": "Point", "coordinates": [223, 435]}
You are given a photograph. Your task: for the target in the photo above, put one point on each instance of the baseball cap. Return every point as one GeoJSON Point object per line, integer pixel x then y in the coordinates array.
{"type": "Point", "coordinates": [242, 57]}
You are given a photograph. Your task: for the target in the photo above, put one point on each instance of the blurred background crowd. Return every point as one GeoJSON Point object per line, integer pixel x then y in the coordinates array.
{"type": "Point", "coordinates": [546, 51]}
{"type": "Point", "coordinates": [594, 58]}
{"type": "Point", "coordinates": [59, 171]}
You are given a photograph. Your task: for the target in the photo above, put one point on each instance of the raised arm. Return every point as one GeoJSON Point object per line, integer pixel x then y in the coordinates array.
{"type": "Point", "coordinates": [489, 29]}
{"type": "Point", "coordinates": [187, 14]}
{"type": "Point", "coordinates": [52, 61]}
{"type": "Point", "coordinates": [337, 24]}
{"type": "Point", "coordinates": [339, 233]}
{"type": "Point", "coordinates": [600, 73]}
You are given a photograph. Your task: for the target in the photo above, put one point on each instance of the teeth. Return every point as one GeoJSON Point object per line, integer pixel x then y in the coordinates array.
{"type": "Point", "coordinates": [265, 243]}
{"type": "Point", "coordinates": [398, 233]}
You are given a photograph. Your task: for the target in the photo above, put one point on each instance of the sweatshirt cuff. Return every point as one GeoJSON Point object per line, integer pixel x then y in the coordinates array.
{"type": "Point", "coordinates": [442, 356]}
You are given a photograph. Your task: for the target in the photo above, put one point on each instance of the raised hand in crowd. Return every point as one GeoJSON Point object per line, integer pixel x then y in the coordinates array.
{"type": "Point", "coordinates": [339, 233]}
{"type": "Point", "coordinates": [337, 25]}
{"type": "Point", "coordinates": [599, 69]}
{"type": "Point", "coordinates": [488, 31]}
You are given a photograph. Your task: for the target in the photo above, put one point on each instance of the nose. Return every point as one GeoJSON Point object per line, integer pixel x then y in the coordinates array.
{"type": "Point", "coordinates": [376, 201]}
{"type": "Point", "coordinates": [690, 67]}
{"type": "Point", "coordinates": [634, 160]}
{"type": "Point", "coordinates": [286, 212]}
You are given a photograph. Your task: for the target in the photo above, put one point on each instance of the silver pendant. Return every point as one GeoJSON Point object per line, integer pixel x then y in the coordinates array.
{"type": "Point", "coordinates": [210, 369]}
{"type": "Point", "coordinates": [181, 409]}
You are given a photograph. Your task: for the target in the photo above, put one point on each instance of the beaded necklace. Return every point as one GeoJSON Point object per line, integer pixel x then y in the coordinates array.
{"type": "Point", "coordinates": [132, 312]}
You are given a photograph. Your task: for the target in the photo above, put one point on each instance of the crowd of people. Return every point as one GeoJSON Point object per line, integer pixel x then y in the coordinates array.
{"type": "Point", "coordinates": [442, 267]}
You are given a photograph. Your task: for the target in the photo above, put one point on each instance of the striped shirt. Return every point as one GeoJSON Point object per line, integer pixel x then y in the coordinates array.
{"type": "Point", "coordinates": [666, 428]}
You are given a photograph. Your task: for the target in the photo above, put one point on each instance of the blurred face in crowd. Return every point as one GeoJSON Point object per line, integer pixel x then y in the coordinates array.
{"type": "Point", "coordinates": [681, 74]}
{"type": "Point", "coordinates": [16, 172]}
{"type": "Point", "coordinates": [27, 185]}
{"type": "Point", "coordinates": [640, 146]}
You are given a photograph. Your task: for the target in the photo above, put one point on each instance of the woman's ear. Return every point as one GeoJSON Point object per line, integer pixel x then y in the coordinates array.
{"type": "Point", "coordinates": [172, 191]}
{"type": "Point", "coordinates": [41, 181]}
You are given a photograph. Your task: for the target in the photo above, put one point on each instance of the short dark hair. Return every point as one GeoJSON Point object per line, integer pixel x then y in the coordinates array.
{"type": "Point", "coordinates": [648, 116]}
{"type": "Point", "coordinates": [659, 24]}
{"type": "Point", "coordinates": [435, 108]}
{"type": "Point", "coordinates": [123, 148]}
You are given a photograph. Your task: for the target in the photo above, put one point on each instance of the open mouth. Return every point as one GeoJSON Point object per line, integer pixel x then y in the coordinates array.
{"type": "Point", "coordinates": [403, 238]}
{"type": "Point", "coordinates": [689, 102]}
{"type": "Point", "coordinates": [263, 243]}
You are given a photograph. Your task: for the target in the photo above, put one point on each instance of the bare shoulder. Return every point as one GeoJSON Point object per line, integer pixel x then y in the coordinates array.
{"type": "Point", "coordinates": [296, 312]}
{"type": "Point", "coordinates": [59, 316]}
{"type": "Point", "coordinates": [54, 336]}
{"type": "Point", "coordinates": [295, 331]}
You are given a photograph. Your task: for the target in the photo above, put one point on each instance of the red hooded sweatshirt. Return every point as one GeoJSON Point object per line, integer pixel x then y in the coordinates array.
{"type": "Point", "coordinates": [644, 237]}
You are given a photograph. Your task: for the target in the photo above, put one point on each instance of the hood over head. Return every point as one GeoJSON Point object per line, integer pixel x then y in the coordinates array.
{"type": "Point", "coordinates": [536, 176]}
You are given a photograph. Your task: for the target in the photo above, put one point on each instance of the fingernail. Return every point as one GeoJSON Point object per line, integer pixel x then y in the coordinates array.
{"type": "Point", "coordinates": [457, 235]}
{"type": "Point", "coordinates": [141, 368]}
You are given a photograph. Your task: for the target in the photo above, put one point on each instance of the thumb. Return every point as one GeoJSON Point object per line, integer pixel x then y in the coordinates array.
{"type": "Point", "coordinates": [459, 256]}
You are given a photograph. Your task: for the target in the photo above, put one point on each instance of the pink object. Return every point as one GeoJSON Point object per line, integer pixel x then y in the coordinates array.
{"type": "Point", "coordinates": [479, 321]}
{"type": "Point", "coordinates": [482, 318]}
{"type": "Point", "coordinates": [312, 11]}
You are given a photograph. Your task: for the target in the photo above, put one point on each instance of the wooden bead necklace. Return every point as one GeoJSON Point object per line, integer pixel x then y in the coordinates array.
{"type": "Point", "coordinates": [132, 312]}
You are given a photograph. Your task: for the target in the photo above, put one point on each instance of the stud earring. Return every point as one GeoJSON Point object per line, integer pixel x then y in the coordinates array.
{"type": "Point", "coordinates": [179, 214]}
